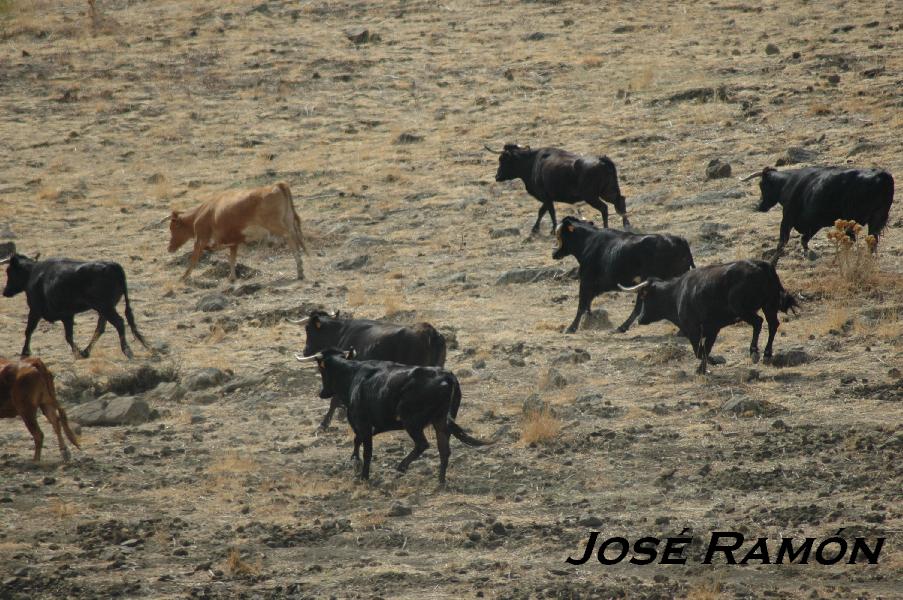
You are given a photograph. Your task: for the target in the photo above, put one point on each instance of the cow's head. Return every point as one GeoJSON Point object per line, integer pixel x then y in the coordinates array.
{"type": "Point", "coordinates": [651, 305]}
{"type": "Point", "coordinates": [770, 184]}
{"type": "Point", "coordinates": [322, 330]}
{"type": "Point", "coordinates": [180, 231]}
{"type": "Point", "coordinates": [510, 161]}
{"type": "Point", "coordinates": [331, 374]}
{"type": "Point", "coordinates": [568, 233]}
{"type": "Point", "coordinates": [18, 272]}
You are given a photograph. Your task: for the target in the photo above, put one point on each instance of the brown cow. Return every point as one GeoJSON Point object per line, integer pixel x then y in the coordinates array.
{"type": "Point", "coordinates": [25, 386]}
{"type": "Point", "coordinates": [221, 222]}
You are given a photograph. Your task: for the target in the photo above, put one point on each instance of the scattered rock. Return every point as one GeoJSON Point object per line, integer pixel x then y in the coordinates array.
{"type": "Point", "coordinates": [204, 399]}
{"type": "Point", "coordinates": [212, 302]}
{"type": "Point", "coordinates": [749, 375]}
{"type": "Point", "coordinates": [247, 289]}
{"type": "Point", "coordinates": [553, 379]}
{"type": "Point", "coordinates": [590, 521]}
{"type": "Point", "coordinates": [796, 155]}
{"type": "Point", "coordinates": [530, 275]}
{"type": "Point", "coordinates": [790, 358]}
{"type": "Point", "coordinates": [534, 404]}
{"type": "Point", "coordinates": [140, 380]}
{"type": "Point", "coordinates": [352, 264]}
{"type": "Point", "coordinates": [205, 378]}
{"type": "Point", "coordinates": [771, 49]}
{"type": "Point", "coordinates": [111, 410]}
{"type": "Point", "coordinates": [534, 37]}
{"type": "Point", "coordinates": [833, 79]}
{"type": "Point", "coordinates": [574, 357]}
{"type": "Point", "coordinates": [399, 509]}
{"type": "Point", "coordinates": [717, 169]}
{"type": "Point", "coordinates": [408, 138]}
{"type": "Point", "coordinates": [361, 35]}
{"type": "Point", "coordinates": [595, 320]}
{"type": "Point", "coordinates": [505, 232]}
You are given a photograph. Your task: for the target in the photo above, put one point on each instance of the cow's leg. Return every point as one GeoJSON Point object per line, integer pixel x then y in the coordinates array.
{"type": "Point", "coordinates": [420, 445]}
{"type": "Point", "coordinates": [542, 211]}
{"type": "Point", "coordinates": [367, 441]}
{"type": "Point", "coordinates": [786, 226]}
{"type": "Point", "coordinates": [33, 319]}
{"type": "Point", "coordinates": [599, 205]}
{"type": "Point", "coordinates": [31, 422]}
{"type": "Point", "coordinates": [356, 456]}
{"type": "Point", "coordinates": [706, 343]}
{"type": "Point", "coordinates": [630, 319]}
{"type": "Point", "coordinates": [442, 435]}
{"type": "Point", "coordinates": [584, 303]}
{"type": "Point", "coordinates": [773, 323]}
{"type": "Point", "coordinates": [552, 214]}
{"type": "Point", "coordinates": [113, 317]}
{"type": "Point", "coordinates": [291, 236]}
{"type": "Point", "coordinates": [233, 256]}
{"type": "Point", "coordinates": [49, 411]}
{"type": "Point", "coordinates": [68, 329]}
{"type": "Point", "coordinates": [199, 246]}
{"type": "Point", "coordinates": [98, 331]}
{"type": "Point", "coordinates": [333, 404]}
{"type": "Point", "coordinates": [756, 322]}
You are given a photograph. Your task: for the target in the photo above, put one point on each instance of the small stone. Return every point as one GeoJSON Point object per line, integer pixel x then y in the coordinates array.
{"type": "Point", "coordinates": [498, 529]}
{"type": "Point", "coordinates": [590, 521]}
{"type": "Point", "coordinates": [111, 410]}
{"type": "Point", "coordinates": [553, 380]}
{"type": "Point", "coordinates": [205, 378]}
{"type": "Point", "coordinates": [771, 49]}
{"type": "Point", "coordinates": [596, 320]}
{"type": "Point", "coordinates": [49, 480]}
{"type": "Point", "coordinates": [778, 424]}
{"type": "Point", "coordinates": [131, 543]}
{"type": "Point", "coordinates": [361, 35]}
{"type": "Point", "coordinates": [790, 358]}
{"type": "Point", "coordinates": [408, 138]}
{"type": "Point", "coordinates": [505, 232]}
{"type": "Point", "coordinates": [717, 169]}
{"type": "Point", "coordinates": [399, 509]}
{"type": "Point", "coordinates": [213, 302]}
{"type": "Point", "coordinates": [352, 264]}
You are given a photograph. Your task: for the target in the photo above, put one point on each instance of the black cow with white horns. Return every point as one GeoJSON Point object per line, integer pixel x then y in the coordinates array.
{"type": "Point", "coordinates": [703, 301]}
{"type": "Point", "coordinates": [610, 258]}
{"type": "Point", "coordinates": [815, 197]}
{"type": "Point", "coordinates": [385, 396]}
{"type": "Point", "coordinates": [59, 288]}
{"type": "Point", "coordinates": [418, 344]}
{"type": "Point", "coordinates": [554, 175]}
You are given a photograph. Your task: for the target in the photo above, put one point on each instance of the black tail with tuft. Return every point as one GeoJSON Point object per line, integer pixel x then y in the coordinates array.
{"type": "Point", "coordinates": [462, 435]}
{"type": "Point", "coordinates": [129, 316]}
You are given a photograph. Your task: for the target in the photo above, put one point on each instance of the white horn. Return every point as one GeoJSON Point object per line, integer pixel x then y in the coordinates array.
{"type": "Point", "coordinates": [6, 260]}
{"type": "Point", "coordinates": [753, 176]}
{"type": "Point", "coordinates": [299, 321]}
{"type": "Point", "coordinates": [302, 358]}
{"type": "Point", "coordinates": [634, 288]}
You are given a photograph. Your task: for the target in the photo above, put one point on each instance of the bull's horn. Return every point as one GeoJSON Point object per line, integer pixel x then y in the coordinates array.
{"type": "Point", "coordinates": [634, 288]}
{"type": "Point", "coordinates": [753, 176]}
{"type": "Point", "coordinates": [299, 321]}
{"type": "Point", "coordinates": [6, 260]}
{"type": "Point", "coordinates": [302, 358]}
{"type": "Point", "coordinates": [334, 314]}
{"type": "Point", "coordinates": [491, 150]}
{"type": "Point", "coordinates": [164, 219]}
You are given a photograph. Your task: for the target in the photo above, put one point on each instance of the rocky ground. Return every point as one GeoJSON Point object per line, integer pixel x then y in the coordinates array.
{"type": "Point", "coordinates": [217, 484]}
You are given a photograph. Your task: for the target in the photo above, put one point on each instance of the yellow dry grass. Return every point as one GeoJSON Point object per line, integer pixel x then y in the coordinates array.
{"type": "Point", "coordinates": [539, 427]}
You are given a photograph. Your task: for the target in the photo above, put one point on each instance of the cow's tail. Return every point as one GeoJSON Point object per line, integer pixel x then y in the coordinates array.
{"type": "Point", "coordinates": [463, 436]}
{"type": "Point", "coordinates": [436, 343]}
{"type": "Point", "coordinates": [129, 315]}
{"type": "Point", "coordinates": [877, 224]}
{"type": "Point", "coordinates": [47, 378]}
{"type": "Point", "coordinates": [296, 220]}
{"type": "Point", "coordinates": [786, 301]}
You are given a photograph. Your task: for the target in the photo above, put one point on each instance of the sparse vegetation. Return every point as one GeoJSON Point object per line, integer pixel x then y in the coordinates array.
{"type": "Point", "coordinates": [854, 255]}
{"type": "Point", "coordinates": [539, 427]}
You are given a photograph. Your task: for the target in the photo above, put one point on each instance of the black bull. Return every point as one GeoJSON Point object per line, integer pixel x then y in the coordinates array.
{"type": "Point", "coordinates": [418, 344]}
{"type": "Point", "coordinates": [609, 258]}
{"type": "Point", "coordinates": [554, 175]}
{"type": "Point", "coordinates": [384, 396]}
{"type": "Point", "coordinates": [815, 197]}
{"type": "Point", "coordinates": [703, 301]}
{"type": "Point", "coordinates": [57, 289]}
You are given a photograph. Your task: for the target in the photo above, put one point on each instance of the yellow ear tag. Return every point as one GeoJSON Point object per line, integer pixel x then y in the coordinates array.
{"type": "Point", "coordinates": [571, 228]}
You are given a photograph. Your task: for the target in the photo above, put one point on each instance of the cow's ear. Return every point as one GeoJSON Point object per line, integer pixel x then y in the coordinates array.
{"type": "Point", "coordinates": [315, 321]}
{"type": "Point", "coordinates": [570, 227]}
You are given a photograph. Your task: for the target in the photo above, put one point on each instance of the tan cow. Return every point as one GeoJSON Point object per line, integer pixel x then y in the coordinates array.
{"type": "Point", "coordinates": [221, 223]}
{"type": "Point", "coordinates": [25, 386]}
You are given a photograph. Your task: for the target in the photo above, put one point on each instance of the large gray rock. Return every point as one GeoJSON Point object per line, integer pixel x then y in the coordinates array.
{"type": "Point", "coordinates": [204, 378]}
{"type": "Point", "coordinates": [109, 410]}
{"type": "Point", "coordinates": [213, 302]}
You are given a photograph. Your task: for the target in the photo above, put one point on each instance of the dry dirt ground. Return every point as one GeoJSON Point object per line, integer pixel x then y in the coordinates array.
{"type": "Point", "coordinates": [112, 119]}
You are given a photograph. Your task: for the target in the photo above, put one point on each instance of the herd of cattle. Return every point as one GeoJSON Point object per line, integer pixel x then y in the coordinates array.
{"type": "Point", "coordinates": [390, 377]}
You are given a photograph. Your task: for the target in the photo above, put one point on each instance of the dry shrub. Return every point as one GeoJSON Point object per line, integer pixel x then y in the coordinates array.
{"type": "Point", "coordinates": [48, 193]}
{"type": "Point", "coordinates": [539, 426]}
{"type": "Point", "coordinates": [704, 591]}
{"type": "Point", "coordinates": [236, 565]}
{"type": "Point", "coordinates": [820, 109]}
{"type": "Point", "coordinates": [63, 510]}
{"type": "Point", "coordinates": [592, 61]}
{"type": "Point", "coordinates": [667, 352]}
{"type": "Point", "coordinates": [854, 257]}
{"type": "Point", "coordinates": [837, 319]}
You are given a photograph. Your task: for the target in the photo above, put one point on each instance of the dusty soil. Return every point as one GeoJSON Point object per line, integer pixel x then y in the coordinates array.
{"type": "Point", "coordinates": [110, 121]}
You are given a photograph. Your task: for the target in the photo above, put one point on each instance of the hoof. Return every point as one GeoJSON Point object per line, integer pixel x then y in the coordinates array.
{"type": "Point", "coordinates": [811, 255]}
{"type": "Point", "coordinates": [754, 356]}
{"type": "Point", "coordinates": [570, 330]}
{"type": "Point", "coordinates": [700, 371]}
{"type": "Point", "coordinates": [766, 359]}
{"type": "Point", "coordinates": [66, 456]}
{"type": "Point", "coordinates": [619, 330]}
{"type": "Point", "coordinates": [401, 468]}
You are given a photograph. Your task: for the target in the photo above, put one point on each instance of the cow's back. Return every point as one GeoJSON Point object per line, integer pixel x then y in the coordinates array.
{"type": "Point", "coordinates": [823, 195]}
{"type": "Point", "coordinates": [63, 286]}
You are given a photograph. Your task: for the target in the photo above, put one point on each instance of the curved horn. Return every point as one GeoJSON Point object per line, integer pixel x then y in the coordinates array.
{"type": "Point", "coordinates": [491, 150]}
{"type": "Point", "coordinates": [164, 220]}
{"type": "Point", "coordinates": [299, 321]}
{"type": "Point", "coordinates": [753, 176]}
{"type": "Point", "coordinates": [302, 358]}
{"type": "Point", "coordinates": [334, 315]}
{"type": "Point", "coordinates": [634, 288]}
{"type": "Point", "coordinates": [6, 260]}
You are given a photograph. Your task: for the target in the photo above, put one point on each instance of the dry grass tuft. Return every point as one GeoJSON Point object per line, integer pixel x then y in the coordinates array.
{"type": "Point", "coordinates": [236, 565]}
{"type": "Point", "coordinates": [63, 510]}
{"type": "Point", "coordinates": [592, 61]}
{"type": "Point", "coordinates": [855, 261]}
{"type": "Point", "coordinates": [704, 591]}
{"type": "Point", "coordinates": [539, 426]}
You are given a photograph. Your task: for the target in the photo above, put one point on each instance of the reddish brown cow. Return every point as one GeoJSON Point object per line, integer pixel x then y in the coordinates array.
{"type": "Point", "coordinates": [25, 386]}
{"type": "Point", "coordinates": [221, 223]}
